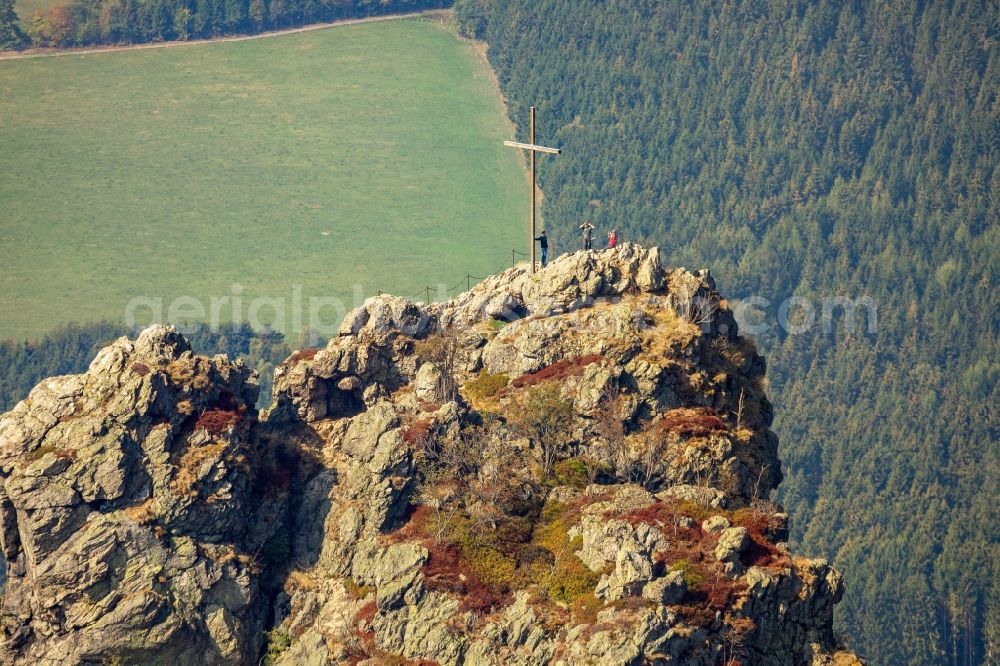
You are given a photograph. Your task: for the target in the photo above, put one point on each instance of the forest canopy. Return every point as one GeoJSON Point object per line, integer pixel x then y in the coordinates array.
{"type": "Point", "coordinates": [816, 150]}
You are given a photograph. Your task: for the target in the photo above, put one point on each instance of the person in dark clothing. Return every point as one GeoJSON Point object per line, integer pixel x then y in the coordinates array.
{"type": "Point", "coordinates": [543, 241]}
{"type": "Point", "coordinates": [587, 235]}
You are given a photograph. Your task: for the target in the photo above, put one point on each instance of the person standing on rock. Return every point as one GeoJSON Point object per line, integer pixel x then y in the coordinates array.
{"type": "Point", "coordinates": [587, 237]}
{"type": "Point", "coordinates": [612, 239]}
{"type": "Point", "coordinates": [543, 242]}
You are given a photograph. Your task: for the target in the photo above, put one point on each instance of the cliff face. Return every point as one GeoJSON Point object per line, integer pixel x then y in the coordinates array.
{"type": "Point", "coordinates": [127, 510]}
{"type": "Point", "coordinates": [568, 467]}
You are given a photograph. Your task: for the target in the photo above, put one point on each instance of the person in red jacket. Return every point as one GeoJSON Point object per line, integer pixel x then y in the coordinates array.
{"type": "Point", "coordinates": [612, 238]}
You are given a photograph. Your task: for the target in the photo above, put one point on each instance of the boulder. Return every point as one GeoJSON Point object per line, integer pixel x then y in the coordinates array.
{"type": "Point", "coordinates": [715, 524]}
{"type": "Point", "coordinates": [669, 589]}
{"type": "Point", "coordinates": [732, 542]}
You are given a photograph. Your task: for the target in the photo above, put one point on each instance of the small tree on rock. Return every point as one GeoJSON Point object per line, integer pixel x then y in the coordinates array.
{"type": "Point", "coordinates": [546, 418]}
{"type": "Point", "coordinates": [612, 445]}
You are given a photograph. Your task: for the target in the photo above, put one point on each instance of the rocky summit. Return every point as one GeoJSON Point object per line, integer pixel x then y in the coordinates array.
{"type": "Point", "coordinates": [568, 467]}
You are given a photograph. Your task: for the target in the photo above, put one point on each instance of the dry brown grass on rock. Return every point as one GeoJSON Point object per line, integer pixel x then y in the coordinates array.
{"type": "Point", "coordinates": [181, 370]}
{"type": "Point", "coordinates": [668, 333]}
{"type": "Point", "coordinates": [307, 354]}
{"type": "Point", "coordinates": [189, 464]}
{"type": "Point", "coordinates": [141, 514]}
{"type": "Point", "coordinates": [41, 451]}
{"type": "Point", "coordinates": [300, 580]}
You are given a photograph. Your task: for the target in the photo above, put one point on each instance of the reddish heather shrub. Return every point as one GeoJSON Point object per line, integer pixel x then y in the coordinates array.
{"type": "Point", "coordinates": [658, 514]}
{"type": "Point", "coordinates": [363, 649]}
{"type": "Point", "coordinates": [140, 369]}
{"type": "Point", "coordinates": [761, 552]}
{"type": "Point", "coordinates": [561, 369]}
{"type": "Point", "coordinates": [217, 420]}
{"type": "Point", "coordinates": [680, 551]}
{"type": "Point", "coordinates": [367, 612]}
{"type": "Point", "coordinates": [696, 614]}
{"type": "Point", "coordinates": [417, 432]}
{"type": "Point", "coordinates": [720, 592]}
{"type": "Point", "coordinates": [697, 422]}
{"type": "Point", "coordinates": [445, 571]}
{"type": "Point", "coordinates": [415, 524]}
{"type": "Point", "coordinates": [665, 517]}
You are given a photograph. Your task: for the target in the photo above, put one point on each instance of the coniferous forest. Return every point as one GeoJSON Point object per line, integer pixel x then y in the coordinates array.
{"type": "Point", "coordinates": [818, 150]}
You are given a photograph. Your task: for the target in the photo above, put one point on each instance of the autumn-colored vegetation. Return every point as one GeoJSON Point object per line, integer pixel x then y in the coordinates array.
{"type": "Point", "coordinates": [559, 370]}
{"type": "Point", "coordinates": [188, 466]}
{"type": "Point", "coordinates": [691, 550]}
{"type": "Point", "coordinates": [483, 565]}
{"type": "Point", "coordinates": [417, 432]}
{"type": "Point", "coordinates": [447, 571]}
{"type": "Point", "coordinates": [217, 420]}
{"type": "Point", "coordinates": [307, 354]}
{"type": "Point", "coordinates": [142, 514]}
{"type": "Point", "coordinates": [692, 422]}
{"type": "Point", "coordinates": [485, 385]}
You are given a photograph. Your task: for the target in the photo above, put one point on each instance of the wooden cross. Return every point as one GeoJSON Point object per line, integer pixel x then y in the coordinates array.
{"type": "Point", "coordinates": [532, 149]}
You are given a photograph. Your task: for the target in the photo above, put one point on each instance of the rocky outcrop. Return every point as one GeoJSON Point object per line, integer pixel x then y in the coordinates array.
{"type": "Point", "coordinates": [568, 467]}
{"type": "Point", "coordinates": [127, 511]}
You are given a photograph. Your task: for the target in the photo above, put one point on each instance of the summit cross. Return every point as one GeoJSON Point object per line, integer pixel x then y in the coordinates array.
{"type": "Point", "coordinates": [532, 149]}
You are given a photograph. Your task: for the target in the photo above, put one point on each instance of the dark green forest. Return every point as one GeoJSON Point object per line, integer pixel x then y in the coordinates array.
{"type": "Point", "coordinates": [83, 22]}
{"type": "Point", "coordinates": [814, 149]}
{"type": "Point", "coordinates": [71, 348]}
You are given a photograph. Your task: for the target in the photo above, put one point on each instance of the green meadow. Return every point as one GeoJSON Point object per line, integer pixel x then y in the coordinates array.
{"type": "Point", "coordinates": [326, 164]}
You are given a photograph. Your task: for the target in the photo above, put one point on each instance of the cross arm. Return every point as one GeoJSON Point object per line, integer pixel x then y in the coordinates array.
{"type": "Point", "coordinates": [531, 146]}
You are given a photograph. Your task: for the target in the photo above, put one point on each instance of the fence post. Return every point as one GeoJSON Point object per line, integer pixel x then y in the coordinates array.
{"type": "Point", "coordinates": [468, 282]}
{"type": "Point", "coordinates": [428, 301]}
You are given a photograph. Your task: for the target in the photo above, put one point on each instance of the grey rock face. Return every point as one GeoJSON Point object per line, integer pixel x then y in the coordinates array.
{"type": "Point", "coordinates": [667, 590]}
{"type": "Point", "coordinates": [125, 511]}
{"type": "Point", "coordinates": [133, 531]}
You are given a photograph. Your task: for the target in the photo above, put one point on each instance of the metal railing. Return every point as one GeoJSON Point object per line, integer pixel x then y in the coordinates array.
{"type": "Point", "coordinates": [467, 280]}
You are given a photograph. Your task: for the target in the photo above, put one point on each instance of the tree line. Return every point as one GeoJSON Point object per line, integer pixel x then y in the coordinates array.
{"type": "Point", "coordinates": [814, 149]}
{"type": "Point", "coordinates": [87, 22]}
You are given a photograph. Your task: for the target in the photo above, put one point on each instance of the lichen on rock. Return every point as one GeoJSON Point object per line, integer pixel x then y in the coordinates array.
{"type": "Point", "coordinates": [569, 467]}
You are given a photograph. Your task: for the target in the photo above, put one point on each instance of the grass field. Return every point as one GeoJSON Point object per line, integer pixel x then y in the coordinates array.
{"type": "Point", "coordinates": [365, 155]}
